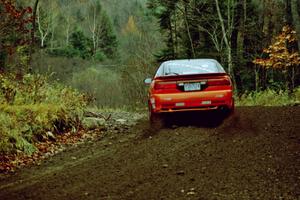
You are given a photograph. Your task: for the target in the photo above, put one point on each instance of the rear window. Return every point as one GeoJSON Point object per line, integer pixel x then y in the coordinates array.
{"type": "Point", "coordinates": [186, 67]}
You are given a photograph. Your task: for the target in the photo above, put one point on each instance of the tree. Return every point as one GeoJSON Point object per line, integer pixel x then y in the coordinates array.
{"type": "Point", "coordinates": [94, 20]}
{"type": "Point", "coordinates": [107, 38]}
{"type": "Point", "coordinates": [165, 11]}
{"type": "Point", "coordinates": [14, 30]}
{"type": "Point", "coordinates": [47, 15]}
{"type": "Point", "coordinates": [35, 6]}
{"type": "Point", "coordinates": [101, 31]}
{"type": "Point", "coordinates": [227, 32]}
{"type": "Point", "coordinates": [68, 19]}
{"type": "Point", "coordinates": [131, 27]}
{"type": "Point", "coordinates": [281, 56]}
{"type": "Point", "coordinates": [81, 44]}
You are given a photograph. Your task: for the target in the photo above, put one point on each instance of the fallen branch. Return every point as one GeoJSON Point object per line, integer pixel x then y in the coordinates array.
{"type": "Point", "coordinates": [96, 115]}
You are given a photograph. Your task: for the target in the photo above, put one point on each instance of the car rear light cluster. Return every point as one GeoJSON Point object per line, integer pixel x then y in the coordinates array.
{"type": "Point", "coordinates": [165, 85]}
{"type": "Point", "coordinates": [219, 81]}
{"type": "Point", "coordinates": [152, 101]}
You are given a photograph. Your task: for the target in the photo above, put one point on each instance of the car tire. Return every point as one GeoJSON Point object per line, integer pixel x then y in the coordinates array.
{"type": "Point", "coordinates": [157, 121]}
{"type": "Point", "coordinates": [231, 110]}
{"type": "Point", "coordinates": [228, 111]}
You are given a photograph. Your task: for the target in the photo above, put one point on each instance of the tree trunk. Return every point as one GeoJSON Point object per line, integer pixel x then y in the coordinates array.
{"type": "Point", "coordinates": [226, 40]}
{"type": "Point", "coordinates": [188, 30]}
{"type": "Point", "coordinates": [172, 38]}
{"type": "Point", "coordinates": [43, 34]}
{"type": "Point", "coordinates": [52, 35]}
{"type": "Point", "coordinates": [237, 41]}
{"type": "Point", "coordinates": [176, 35]}
{"type": "Point", "coordinates": [256, 69]}
{"type": "Point", "coordinates": [293, 75]}
{"type": "Point", "coordinates": [32, 33]}
{"type": "Point", "coordinates": [263, 79]}
{"type": "Point", "coordinates": [68, 31]}
{"type": "Point", "coordinates": [296, 18]}
{"type": "Point", "coordinates": [288, 13]}
{"type": "Point", "coordinates": [92, 26]}
{"type": "Point", "coordinates": [2, 59]}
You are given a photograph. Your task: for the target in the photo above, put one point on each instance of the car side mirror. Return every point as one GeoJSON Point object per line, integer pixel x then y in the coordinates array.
{"type": "Point", "coordinates": [148, 81]}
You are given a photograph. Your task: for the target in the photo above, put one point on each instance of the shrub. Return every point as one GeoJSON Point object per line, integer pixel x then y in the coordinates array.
{"type": "Point", "coordinates": [100, 56]}
{"type": "Point", "coordinates": [103, 84]}
{"type": "Point", "coordinates": [60, 68]}
{"type": "Point", "coordinates": [34, 108]}
{"type": "Point", "coordinates": [68, 52]}
{"type": "Point", "coordinates": [269, 98]}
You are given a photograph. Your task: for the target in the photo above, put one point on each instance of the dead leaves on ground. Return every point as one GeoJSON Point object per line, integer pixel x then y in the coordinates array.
{"type": "Point", "coordinates": [9, 163]}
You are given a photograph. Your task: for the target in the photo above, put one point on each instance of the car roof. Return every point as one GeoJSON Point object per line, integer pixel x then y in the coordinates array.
{"type": "Point", "coordinates": [203, 66]}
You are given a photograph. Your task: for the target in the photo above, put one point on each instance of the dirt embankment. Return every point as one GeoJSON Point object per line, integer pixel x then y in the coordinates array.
{"type": "Point", "coordinates": [254, 154]}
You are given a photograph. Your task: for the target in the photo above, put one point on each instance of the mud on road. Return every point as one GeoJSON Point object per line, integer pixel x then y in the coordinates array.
{"type": "Point", "coordinates": [254, 154]}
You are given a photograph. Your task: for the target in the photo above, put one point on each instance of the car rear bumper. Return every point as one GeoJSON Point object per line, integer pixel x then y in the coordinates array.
{"type": "Point", "coordinates": [191, 101]}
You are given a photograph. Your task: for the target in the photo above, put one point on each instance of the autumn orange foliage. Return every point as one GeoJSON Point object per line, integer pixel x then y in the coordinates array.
{"type": "Point", "coordinates": [281, 56]}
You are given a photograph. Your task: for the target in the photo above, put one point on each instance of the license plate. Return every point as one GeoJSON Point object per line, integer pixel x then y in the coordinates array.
{"type": "Point", "coordinates": [206, 102]}
{"type": "Point", "coordinates": [192, 86]}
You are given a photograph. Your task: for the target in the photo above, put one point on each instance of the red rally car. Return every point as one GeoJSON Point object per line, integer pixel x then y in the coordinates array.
{"type": "Point", "coordinates": [189, 85]}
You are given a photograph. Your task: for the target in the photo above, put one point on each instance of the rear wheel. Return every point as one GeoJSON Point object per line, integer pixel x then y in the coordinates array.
{"type": "Point", "coordinates": [228, 111]}
{"type": "Point", "coordinates": [232, 107]}
{"type": "Point", "coordinates": [157, 120]}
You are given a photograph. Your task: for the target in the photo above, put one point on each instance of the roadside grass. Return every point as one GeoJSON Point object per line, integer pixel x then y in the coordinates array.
{"type": "Point", "coordinates": [32, 108]}
{"type": "Point", "coordinates": [269, 98]}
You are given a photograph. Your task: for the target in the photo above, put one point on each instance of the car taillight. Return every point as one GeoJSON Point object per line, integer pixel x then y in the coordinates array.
{"type": "Point", "coordinates": [219, 81]}
{"type": "Point", "coordinates": [165, 85]}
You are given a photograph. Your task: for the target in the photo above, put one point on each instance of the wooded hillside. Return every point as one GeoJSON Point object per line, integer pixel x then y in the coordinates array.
{"type": "Point", "coordinates": [94, 45]}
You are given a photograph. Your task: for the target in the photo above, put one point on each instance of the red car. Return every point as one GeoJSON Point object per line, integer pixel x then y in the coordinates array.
{"type": "Point", "coordinates": [189, 85]}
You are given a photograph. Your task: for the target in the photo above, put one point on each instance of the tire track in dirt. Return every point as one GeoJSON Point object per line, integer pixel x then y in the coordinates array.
{"type": "Point", "coordinates": [253, 154]}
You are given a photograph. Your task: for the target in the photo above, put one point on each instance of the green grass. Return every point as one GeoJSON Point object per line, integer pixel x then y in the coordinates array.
{"type": "Point", "coordinates": [31, 107]}
{"type": "Point", "coordinates": [269, 98]}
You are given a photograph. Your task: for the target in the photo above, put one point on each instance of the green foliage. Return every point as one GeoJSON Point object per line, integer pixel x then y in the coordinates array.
{"type": "Point", "coordinates": [104, 85]}
{"type": "Point", "coordinates": [80, 46]}
{"type": "Point", "coordinates": [269, 98]}
{"type": "Point", "coordinates": [33, 108]}
{"type": "Point", "coordinates": [100, 56]}
{"type": "Point", "coordinates": [67, 51]}
{"type": "Point", "coordinates": [164, 11]}
{"type": "Point", "coordinates": [81, 43]}
{"type": "Point", "coordinates": [108, 43]}
{"type": "Point", "coordinates": [58, 68]}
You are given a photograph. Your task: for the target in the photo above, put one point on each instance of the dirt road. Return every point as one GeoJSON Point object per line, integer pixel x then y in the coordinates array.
{"type": "Point", "coordinates": [255, 154]}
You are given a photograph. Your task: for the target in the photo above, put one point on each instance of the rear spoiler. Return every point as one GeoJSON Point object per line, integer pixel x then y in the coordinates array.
{"type": "Point", "coordinates": [189, 76]}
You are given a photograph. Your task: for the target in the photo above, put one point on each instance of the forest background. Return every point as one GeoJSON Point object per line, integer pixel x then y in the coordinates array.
{"type": "Point", "coordinates": [59, 56]}
{"type": "Point", "coordinates": [106, 48]}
